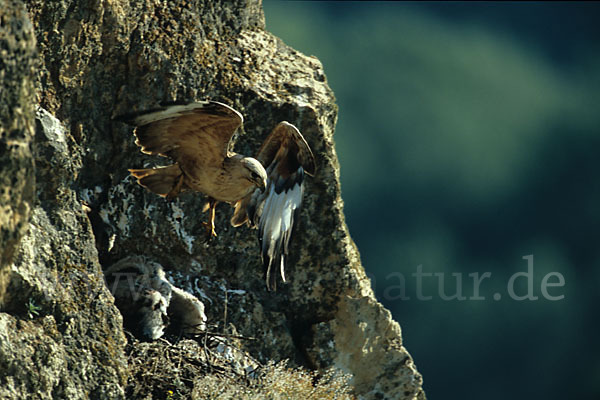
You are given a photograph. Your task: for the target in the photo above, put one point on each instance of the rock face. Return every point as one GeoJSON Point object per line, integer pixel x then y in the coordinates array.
{"type": "Point", "coordinates": [17, 76]}
{"type": "Point", "coordinates": [61, 335]}
{"type": "Point", "coordinates": [99, 60]}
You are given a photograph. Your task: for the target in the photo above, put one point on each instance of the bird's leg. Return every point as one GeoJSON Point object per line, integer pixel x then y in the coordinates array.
{"type": "Point", "coordinates": [176, 188]}
{"type": "Point", "coordinates": [210, 225]}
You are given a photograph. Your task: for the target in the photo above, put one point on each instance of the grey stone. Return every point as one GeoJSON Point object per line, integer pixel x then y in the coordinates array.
{"type": "Point", "coordinates": [61, 335]}
{"type": "Point", "coordinates": [17, 79]}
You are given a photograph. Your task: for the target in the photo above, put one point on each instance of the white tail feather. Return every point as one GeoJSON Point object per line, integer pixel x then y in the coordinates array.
{"type": "Point", "coordinates": [276, 224]}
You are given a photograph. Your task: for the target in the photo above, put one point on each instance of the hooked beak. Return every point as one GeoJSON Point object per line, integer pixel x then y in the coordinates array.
{"type": "Point", "coordinates": [262, 184]}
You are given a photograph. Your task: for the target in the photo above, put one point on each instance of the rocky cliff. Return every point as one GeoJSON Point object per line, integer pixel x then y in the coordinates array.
{"type": "Point", "coordinates": [70, 210]}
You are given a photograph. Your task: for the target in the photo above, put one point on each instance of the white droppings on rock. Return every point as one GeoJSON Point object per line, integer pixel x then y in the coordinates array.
{"type": "Point", "coordinates": [147, 210]}
{"type": "Point", "coordinates": [116, 212]}
{"type": "Point", "coordinates": [111, 241]}
{"type": "Point", "coordinates": [176, 220]}
{"type": "Point", "coordinates": [90, 195]}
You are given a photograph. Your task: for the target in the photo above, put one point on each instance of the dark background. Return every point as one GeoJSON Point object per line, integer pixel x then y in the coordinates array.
{"type": "Point", "coordinates": [469, 137]}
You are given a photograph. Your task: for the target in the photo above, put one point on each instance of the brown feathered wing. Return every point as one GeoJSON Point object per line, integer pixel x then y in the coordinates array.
{"type": "Point", "coordinates": [195, 135]}
{"type": "Point", "coordinates": [287, 157]}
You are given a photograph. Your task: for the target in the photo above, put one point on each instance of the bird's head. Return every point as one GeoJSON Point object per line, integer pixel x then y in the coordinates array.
{"type": "Point", "coordinates": [255, 172]}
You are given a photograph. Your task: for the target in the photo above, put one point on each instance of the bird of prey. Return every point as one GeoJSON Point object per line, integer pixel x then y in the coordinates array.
{"type": "Point", "coordinates": [266, 191]}
{"type": "Point", "coordinates": [287, 157]}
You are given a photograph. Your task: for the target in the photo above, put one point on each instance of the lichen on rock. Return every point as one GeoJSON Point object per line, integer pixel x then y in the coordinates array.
{"type": "Point", "coordinates": [17, 78]}
{"type": "Point", "coordinates": [61, 334]}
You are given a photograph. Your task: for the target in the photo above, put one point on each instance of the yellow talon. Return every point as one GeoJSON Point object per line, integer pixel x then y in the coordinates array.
{"type": "Point", "coordinates": [210, 225]}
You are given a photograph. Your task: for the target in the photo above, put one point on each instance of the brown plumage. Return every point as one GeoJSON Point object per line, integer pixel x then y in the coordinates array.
{"type": "Point", "coordinates": [267, 191]}
{"type": "Point", "coordinates": [197, 137]}
{"type": "Point", "coordinates": [287, 157]}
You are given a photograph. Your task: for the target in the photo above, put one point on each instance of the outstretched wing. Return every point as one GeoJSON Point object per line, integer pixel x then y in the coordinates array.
{"type": "Point", "coordinates": [286, 157]}
{"type": "Point", "coordinates": [191, 134]}
{"type": "Point", "coordinates": [284, 139]}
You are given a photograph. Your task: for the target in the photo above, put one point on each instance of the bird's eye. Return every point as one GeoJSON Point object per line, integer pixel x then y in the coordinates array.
{"type": "Point", "coordinates": [254, 175]}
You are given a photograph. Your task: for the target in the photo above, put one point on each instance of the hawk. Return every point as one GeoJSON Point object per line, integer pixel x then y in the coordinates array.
{"type": "Point", "coordinates": [266, 191]}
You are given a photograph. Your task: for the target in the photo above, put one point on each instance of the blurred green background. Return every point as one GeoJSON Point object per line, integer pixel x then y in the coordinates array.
{"type": "Point", "coordinates": [469, 137]}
